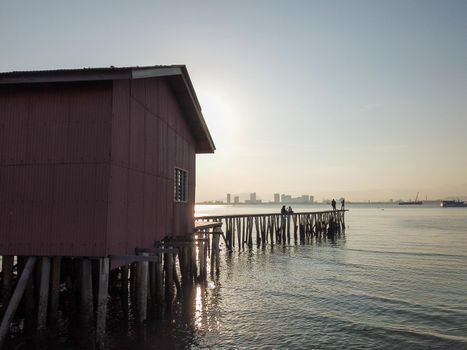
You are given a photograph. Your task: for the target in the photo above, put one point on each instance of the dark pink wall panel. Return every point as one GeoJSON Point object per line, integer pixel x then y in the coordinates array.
{"type": "Point", "coordinates": [151, 154]}
{"type": "Point", "coordinates": [54, 168]}
{"type": "Point", "coordinates": [135, 208]}
{"type": "Point", "coordinates": [137, 125]}
{"type": "Point", "coordinates": [163, 150]}
{"type": "Point", "coordinates": [150, 208]}
{"type": "Point", "coordinates": [121, 122]}
{"type": "Point", "coordinates": [158, 141]}
{"type": "Point", "coordinates": [57, 209]}
{"type": "Point", "coordinates": [118, 210]}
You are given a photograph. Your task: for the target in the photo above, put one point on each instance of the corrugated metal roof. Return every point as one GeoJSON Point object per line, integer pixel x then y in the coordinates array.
{"type": "Point", "coordinates": [177, 76]}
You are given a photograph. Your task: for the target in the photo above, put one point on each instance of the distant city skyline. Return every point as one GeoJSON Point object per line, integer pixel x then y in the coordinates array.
{"type": "Point", "coordinates": [281, 198]}
{"type": "Point", "coordinates": [252, 198]}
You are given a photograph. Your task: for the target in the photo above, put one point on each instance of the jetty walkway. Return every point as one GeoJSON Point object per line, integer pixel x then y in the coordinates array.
{"type": "Point", "coordinates": [247, 230]}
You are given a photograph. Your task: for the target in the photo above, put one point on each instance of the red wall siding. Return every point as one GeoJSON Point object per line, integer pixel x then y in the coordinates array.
{"type": "Point", "coordinates": [54, 168]}
{"type": "Point", "coordinates": [149, 138]}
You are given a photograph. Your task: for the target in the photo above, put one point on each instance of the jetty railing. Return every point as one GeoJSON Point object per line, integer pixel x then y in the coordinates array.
{"type": "Point", "coordinates": [247, 230]}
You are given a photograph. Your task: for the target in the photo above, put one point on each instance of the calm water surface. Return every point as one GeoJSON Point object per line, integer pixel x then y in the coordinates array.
{"type": "Point", "coordinates": [397, 280]}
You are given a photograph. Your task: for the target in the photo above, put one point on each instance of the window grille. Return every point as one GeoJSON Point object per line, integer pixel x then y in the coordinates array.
{"type": "Point", "coordinates": [180, 185]}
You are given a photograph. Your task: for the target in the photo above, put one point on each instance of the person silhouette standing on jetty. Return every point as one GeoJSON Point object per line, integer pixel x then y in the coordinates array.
{"type": "Point", "coordinates": [342, 204]}
{"type": "Point", "coordinates": [283, 210]}
{"type": "Point", "coordinates": [333, 203]}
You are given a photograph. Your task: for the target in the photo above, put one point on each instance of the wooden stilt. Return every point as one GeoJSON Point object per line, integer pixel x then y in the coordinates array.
{"type": "Point", "coordinates": [159, 282]}
{"type": "Point", "coordinates": [124, 279]}
{"type": "Point", "coordinates": [202, 265]}
{"type": "Point", "coordinates": [124, 288]}
{"type": "Point", "coordinates": [132, 278]}
{"type": "Point", "coordinates": [283, 229]}
{"type": "Point", "coordinates": [142, 289]}
{"type": "Point", "coordinates": [16, 298]}
{"type": "Point", "coordinates": [43, 295]}
{"type": "Point", "coordinates": [54, 289]}
{"type": "Point", "coordinates": [243, 233]}
{"type": "Point", "coordinates": [102, 298]}
{"type": "Point", "coordinates": [294, 218]}
{"type": "Point", "coordinates": [87, 305]}
{"type": "Point", "coordinates": [7, 271]}
{"type": "Point", "coordinates": [194, 267]}
{"type": "Point", "coordinates": [152, 284]}
{"type": "Point", "coordinates": [239, 233]}
{"type": "Point", "coordinates": [29, 303]}
{"type": "Point", "coordinates": [271, 229]}
{"type": "Point", "coordinates": [215, 248]}
{"type": "Point", "coordinates": [250, 233]}
{"type": "Point", "coordinates": [177, 284]}
{"type": "Point", "coordinates": [168, 267]}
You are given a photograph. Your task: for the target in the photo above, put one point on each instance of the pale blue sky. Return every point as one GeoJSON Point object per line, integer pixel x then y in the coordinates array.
{"type": "Point", "coordinates": [362, 99]}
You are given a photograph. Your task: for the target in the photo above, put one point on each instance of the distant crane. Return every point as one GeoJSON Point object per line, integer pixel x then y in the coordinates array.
{"type": "Point", "coordinates": [416, 202]}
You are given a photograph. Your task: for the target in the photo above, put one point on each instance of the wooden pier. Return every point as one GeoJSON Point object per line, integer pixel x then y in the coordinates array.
{"type": "Point", "coordinates": [246, 231]}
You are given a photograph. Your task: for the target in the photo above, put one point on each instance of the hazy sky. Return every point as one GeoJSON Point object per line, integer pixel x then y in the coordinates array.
{"type": "Point", "coordinates": [362, 99]}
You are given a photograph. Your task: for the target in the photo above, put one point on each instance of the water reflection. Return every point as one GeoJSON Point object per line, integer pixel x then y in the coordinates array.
{"type": "Point", "coordinates": [199, 309]}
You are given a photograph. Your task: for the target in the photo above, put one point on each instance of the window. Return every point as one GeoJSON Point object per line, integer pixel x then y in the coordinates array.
{"type": "Point", "coordinates": [180, 185]}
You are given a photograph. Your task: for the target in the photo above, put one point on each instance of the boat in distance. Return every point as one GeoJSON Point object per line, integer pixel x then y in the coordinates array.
{"type": "Point", "coordinates": [452, 204]}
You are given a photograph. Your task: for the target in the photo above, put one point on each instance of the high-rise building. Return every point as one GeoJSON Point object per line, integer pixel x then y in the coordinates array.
{"type": "Point", "coordinates": [253, 199]}
{"type": "Point", "coordinates": [236, 200]}
{"type": "Point", "coordinates": [312, 199]}
{"type": "Point", "coordinates": [277, 198]}
{"type": "Point", "coordinates": [228, 198]}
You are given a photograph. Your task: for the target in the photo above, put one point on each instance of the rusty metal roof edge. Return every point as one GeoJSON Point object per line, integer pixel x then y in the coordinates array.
{"type": "Point", "coordinates": [154, 72]}
{"type": "Point", "coordinates": [88, 74]}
